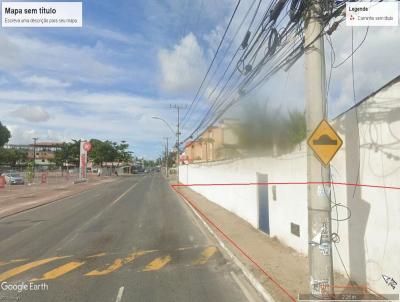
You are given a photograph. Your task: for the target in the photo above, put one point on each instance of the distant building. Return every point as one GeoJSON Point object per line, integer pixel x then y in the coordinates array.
{"type": "Point", "coordinates": [42, 152]}
{"type": "Point", "coordinates": [215, 143]}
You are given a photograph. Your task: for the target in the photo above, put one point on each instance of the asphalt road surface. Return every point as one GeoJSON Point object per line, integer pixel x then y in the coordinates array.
{"type": "Point", "coordinates": [130, 240]}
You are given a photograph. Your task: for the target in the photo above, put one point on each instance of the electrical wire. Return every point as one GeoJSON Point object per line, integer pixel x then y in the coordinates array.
{"type": "Point", "coordinates": [286, 55]}
{"type": "Point", "coordinates": [355, 102]}
{"type": "Point", "coordinates": [229, 46]}
{"type": "Point", "coordinates": [215, 105]}
{"type": "Point", "coordinates": [353, 51]}
{"type": "Point", "coordinates": [212, 61]}
{"type": "Point", "coordinates": [332, 62]}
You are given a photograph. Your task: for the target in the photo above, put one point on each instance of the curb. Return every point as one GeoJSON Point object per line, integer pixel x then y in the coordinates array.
{"type": "Point", "coordinates": [250, 277]}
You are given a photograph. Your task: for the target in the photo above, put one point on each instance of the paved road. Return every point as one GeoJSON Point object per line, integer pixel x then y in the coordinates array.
{"type": "Point", "coordinates": [131, 240]}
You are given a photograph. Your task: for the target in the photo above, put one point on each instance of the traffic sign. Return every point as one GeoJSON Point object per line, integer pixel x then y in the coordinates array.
{"type": "Point", "coordinates": [87, 146]}
{"type": "Point", "coordinates": [325, 142]}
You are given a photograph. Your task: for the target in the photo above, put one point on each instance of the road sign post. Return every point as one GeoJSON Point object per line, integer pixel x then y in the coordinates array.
{"type": "Point", "coordinates": [85, 147]}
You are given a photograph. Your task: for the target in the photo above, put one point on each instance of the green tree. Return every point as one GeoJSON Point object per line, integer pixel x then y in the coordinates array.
{"type": "Point", "coordinates": [67, 154]}
{"type": "Point", "coordinates": [4, 135]}
{"type": "Point", "coordinates": [13, 157]}
{"type": "Point", "coordinates": [296, 127]}
{"type": "Point", "coordinates": [103, 151]}
{"type": "Point", "coordinates": [123, 155]}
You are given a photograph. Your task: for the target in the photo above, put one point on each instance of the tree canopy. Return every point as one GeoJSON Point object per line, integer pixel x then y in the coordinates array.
{"type": "Point", "coordinates": [13, 157]}
{"type": "Point", "coordinates": [102, 151]}
{"type": "Point", "coordinates": [4, 135]}
{"type": "Point", "coordinates": [68, 153]}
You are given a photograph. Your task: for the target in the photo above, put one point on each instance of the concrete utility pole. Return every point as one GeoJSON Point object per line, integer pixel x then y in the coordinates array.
{"type": "Point", "coordinates": [319, 206]}
{"type": "Point", "coordinates": [178, 133]}
{"type": "Point", "coordinates": [34, 153]}
{"type": "Point", "coordinates": [166, 157]}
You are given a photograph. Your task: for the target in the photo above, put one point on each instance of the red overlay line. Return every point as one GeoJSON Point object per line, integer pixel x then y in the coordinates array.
{"type": "Point", "coordinates": [287, 183]}
{"type": "Point", "coordinates": [287, 293]}
{"type": "Point", "coordinates": [267, 274]}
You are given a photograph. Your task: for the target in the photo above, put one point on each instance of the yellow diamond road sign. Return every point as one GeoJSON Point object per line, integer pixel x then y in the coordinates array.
{"type": "Point", "coordinates": [325, 142]}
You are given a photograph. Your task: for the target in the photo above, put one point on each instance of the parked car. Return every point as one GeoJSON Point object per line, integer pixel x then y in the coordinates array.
{"type": "Point", "coordinates": [13, 178]}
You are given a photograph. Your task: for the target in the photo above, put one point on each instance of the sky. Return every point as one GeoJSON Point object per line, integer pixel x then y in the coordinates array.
{"type": "Point", "coordinates": [132, 59]}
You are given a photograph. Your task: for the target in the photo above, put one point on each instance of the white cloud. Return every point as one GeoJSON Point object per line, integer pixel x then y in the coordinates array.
{"type": "Point", "coordinates": [21, 134]}
{"type": "Point", "coordinates": [77, 63]}
{"type": "Point", "coordinates": [130, 39]}
{"type": "Point", "coordinates": [183, 67]}
{"type": "Point", "coordinates": [31, 114]}
{"type": "Point", "coordinates": [375, 64]}
{"type": "Point", "coordinates": [41, 81]}
{"type": "Point", "coordinates": [89, 115]}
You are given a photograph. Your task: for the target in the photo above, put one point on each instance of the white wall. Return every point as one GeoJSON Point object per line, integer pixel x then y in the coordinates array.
{"type": "Point", "coordinates": [370, 241]}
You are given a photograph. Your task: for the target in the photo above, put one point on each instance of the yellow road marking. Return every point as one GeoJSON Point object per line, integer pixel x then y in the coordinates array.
{"type": "Point", "coordinates": [2, 263]}
{"type": "Point", "coordinates": [23, 268]}
{"type": "Point", "coordinates": [96, 255]}
{"type": "Point", "coordinates": [205, 255]}
{"type": "Point", "coordinates": [157, 264]}
{"type": "Point", "coordinates": [59, 271]}
{"type": "Point", "coordinates": [118, 263]}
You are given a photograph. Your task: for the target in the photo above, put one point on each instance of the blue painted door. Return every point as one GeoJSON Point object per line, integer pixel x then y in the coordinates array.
{"type": "Point", "coordinates": [263, 206]}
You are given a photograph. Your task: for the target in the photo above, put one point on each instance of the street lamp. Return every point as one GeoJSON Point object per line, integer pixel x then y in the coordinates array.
{"type": "Point", "coordinates": [34, 153]}
{"type": "Point", "coordinates": [165, 122]}
{"type": "Point", "coordinates": [177, 136]}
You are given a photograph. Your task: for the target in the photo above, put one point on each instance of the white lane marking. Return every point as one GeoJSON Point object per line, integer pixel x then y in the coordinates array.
{"type": "Point", "coordinates": [242, 287]}
{"type": "Point", "coordinates": [126, 192]}
{"type": "Point", "coordinates": [120, 292]}
{"type": "Point", "coordinates": [78, 231]}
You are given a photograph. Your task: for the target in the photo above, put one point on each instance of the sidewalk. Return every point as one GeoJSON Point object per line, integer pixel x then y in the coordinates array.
{"type": "Point", "coordinates": [285, 271]}
{"type": "Point", "coordinates": [25, 197]}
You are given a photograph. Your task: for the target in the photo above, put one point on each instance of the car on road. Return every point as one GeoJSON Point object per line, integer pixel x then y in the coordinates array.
{"type": "Point", "coordinates": [13, 178]}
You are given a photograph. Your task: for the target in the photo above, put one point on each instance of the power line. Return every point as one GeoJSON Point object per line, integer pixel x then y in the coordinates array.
{"type": "Point", "coordinates": [231, 61]}
{"type": "Point", "coordinates": [226, 51]}
{"type": "Point", "coordinates": [212, 62]}
{"type": "Point", "coordinates": [353, 51]}
{"type": "Point", "coordinates": [355, 101]}
{"type": "Point", "coordinates": [260, 26]}
{"type": "Point", "coordinates": [289, 47]}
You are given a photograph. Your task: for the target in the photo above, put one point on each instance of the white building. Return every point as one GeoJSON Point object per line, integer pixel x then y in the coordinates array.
{"type": "Point", "coordinates": [369, 225]}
